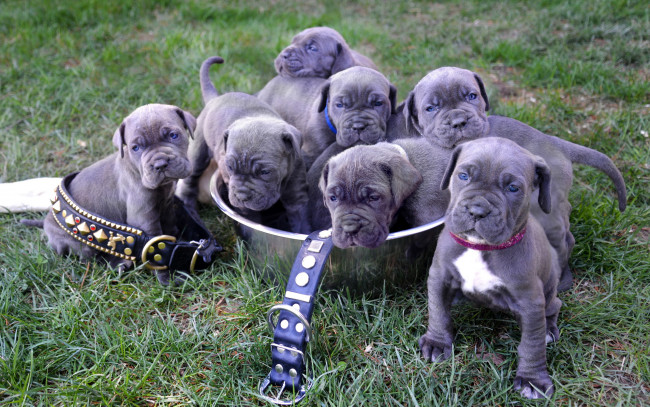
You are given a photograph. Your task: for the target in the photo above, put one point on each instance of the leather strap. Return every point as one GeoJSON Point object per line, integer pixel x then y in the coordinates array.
{"type": "Point", "coordinates": [293, 330]}
{"type": "Point", "coordinates": [194, 250]}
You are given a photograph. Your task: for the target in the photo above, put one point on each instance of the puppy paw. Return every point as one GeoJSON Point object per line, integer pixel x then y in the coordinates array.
{"type": "Point", "coordinates": [541, 387]}
{"type": "Point", "coordinates": [434, 350]}
{"type": "Point", "coordinates": [552, 334]}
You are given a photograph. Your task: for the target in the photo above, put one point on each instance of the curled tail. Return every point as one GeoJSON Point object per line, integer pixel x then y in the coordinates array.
{"type": "Point", "coordinates": [37, 223]}
{"type": "Point", "coordinates": [584, 155]}
{"type": "Point", "coordinates": [207, 88]}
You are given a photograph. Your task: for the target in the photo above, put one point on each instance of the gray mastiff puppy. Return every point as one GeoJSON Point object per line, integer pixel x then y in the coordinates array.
{"type": "Point", "coordinates": [364, 189]}
{"type": "Point", "coordinates": [135, 185]}
{"type": "Point", "coordinates": [257, 155]}
{"type": "Point", "coordinates": [351, 107]}
{"type": "Point", "coordinates": [318, 52]}
{"type": "Point", "coordinates": [494, 252]}
{"type": "Point", "coordinates": [448, 107]}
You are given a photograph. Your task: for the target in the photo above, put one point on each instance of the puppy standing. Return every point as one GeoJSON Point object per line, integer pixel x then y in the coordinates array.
{"type": "Point", "coordinates": [318, 52]}
{"type": "Point", "coordinates": [448, 107]}
{"type": "Point", "coordinates": [134, 186]}
{"type": "Point", "coordinates": [497, 254]}
{"type": "Point", "coordinates": [352, 106]}
{"type": "Point", "coordinates": [257, 154]}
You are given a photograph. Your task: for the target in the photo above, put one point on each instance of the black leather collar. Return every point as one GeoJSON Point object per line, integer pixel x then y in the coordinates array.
{"type": "Point", "coordinates": [293, 329]}
{"type": "Point", "coordinates": [164, 252]}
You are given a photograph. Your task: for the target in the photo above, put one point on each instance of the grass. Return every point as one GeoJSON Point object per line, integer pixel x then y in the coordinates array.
{"type": "Point", "coordinates": [76, 333]}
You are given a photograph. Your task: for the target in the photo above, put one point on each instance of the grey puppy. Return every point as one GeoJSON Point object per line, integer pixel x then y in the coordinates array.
{"type": "Point", "coordinates": [256, 151]}
{"type": "Point", "coordinates": [364, 189]}
{"type": "Point", "coordinates": [135, 185]}
{"type": "Point", "coordinates": [448, 107]}
{"type": "Point", "coordinates": [352, 106]}
{"type": "Point", "coordinates": [494, 252]}
{"type": "Point", "coordinates": [318, 52]}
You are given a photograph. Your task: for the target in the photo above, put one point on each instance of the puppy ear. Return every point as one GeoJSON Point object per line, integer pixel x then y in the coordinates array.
{"type": "Point", "coordinates": [322, 182]}
{"type": "Point", "coordinates": [451, 166]}
{"type": "Point", "coordinates": [292, 138]}
{"type": "Point", "coordinates": [392, 96]}
{"type": "Point", "coordinates": [188, 120]}
{"type": "Point", "coordinates": [324, 95]}
{"type": "Point", "coordinates": [118, 139]}
{"type": "Point", "coordinates": [543, 181]}
{"type": "Point", "coordinates": [225, 140]}
{"type": "Point", "coordinates": [410, 114]}
{"type": "Point", "coordinates": [483, 93]}
{"type": "Point", "coordinates": [343, 59]}
{"type": "Point", "coordinates": [404, 178]}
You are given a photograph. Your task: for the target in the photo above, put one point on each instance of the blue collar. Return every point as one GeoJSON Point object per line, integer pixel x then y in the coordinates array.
{"type": "Point", "coordinates": [327, 119]}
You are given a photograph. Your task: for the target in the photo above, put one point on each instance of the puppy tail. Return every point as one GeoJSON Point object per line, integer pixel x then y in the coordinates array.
{"type": "Point", "coordinates": [207, 87]}
{"type": "Point", "coordinates": [37, 223]}
{"type": "Point", "coordinates": [584, 155]}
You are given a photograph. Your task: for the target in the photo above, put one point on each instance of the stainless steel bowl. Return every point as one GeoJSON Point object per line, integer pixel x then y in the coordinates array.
{"type": "Point", "coordinates": [402, 259]}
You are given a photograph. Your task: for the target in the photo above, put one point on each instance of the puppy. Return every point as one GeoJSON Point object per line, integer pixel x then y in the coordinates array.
{"type": "Point", "coordinates": [496, 253]}
{"type": "Point", "coordinates": [135, 185]}
{"type": "Point", "coordinates": [364, 188]}
{"type": "Point", "coordinates": [318, 52]}
{"type": "Point", "coordinates": [257, 155]}
{"type": "Point", "coordinates": [351, 107]}
{"type": "Point", "coordinates": [448, 107]}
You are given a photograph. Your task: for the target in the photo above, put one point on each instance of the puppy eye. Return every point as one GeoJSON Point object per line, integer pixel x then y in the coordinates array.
{"type": "Point", "coordinates": [472, 96]}
{"type": "Point", "coordinates": [374, 197]}
{"type": "Point", "coordinates": [431, 108]}
{"type": "Point", "coordinates": [378, 104]}
{"type": "Point", "coordinates": [173, 135]}
{"type": "Point", "coordinates": [265, 172]}
{"type": "Point", "coordinates": [135, 147]}
{"type": "Point", "coordinates": [312, 48]}
{"type": "Point", "coordinates": [463, 176]}
{"type": "Point", "coordinates": [340, 105]}
{"type": "Point", "coordinates": [513, 188]}
{"type": "Point", "coordinates": [333, 198]}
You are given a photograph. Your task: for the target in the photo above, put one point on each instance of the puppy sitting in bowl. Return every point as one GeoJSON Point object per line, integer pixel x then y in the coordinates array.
{"type": "Point", "coordinates": [257, 154]}
{"type": "Point", "coordinates": [494, 252]}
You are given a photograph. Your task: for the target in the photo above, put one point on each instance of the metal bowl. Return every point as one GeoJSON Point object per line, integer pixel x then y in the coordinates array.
{"type": "Point", "coordinates": [404, 258]}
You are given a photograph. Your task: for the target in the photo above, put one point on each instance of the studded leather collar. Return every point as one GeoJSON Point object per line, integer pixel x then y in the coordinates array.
{"type": "Point", "coordinates": [125, 242]}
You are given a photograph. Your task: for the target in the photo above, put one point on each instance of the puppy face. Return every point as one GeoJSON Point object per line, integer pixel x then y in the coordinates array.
{"type": "Point", "coordinates": [363, 187]}
{"type": "Point", "coordinates": [359, 101]}
{"type": "Point", "coordinates": [448, 107]}
{"type": "Point", "coordinates": [258, 156]}
{"type": "Point", "coordinates": [314, 52]}
{"type": "Point", "coordinates": [491, 182]}
{"type": "Point", "coordinates": [153, 141]}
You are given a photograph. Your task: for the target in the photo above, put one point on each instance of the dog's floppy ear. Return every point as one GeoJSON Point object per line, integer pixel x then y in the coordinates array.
{"type": "Point", "coordinates": [451, 166]}
{"type": "Point", "coordinates": [322, 181]}
{"type": "Point", "coordinates": [188, 120]}
{"type": "Point", "coordinates": [118, 139]}
{"type": "Point", "coordinates": [324, 95]}
{"type": "Point", "coordinates": [410, 114]}
{"type": "Point", "coordinates": [543, 181]}
{"type": "Point", "coordinates": [226, 133]}
{"type": "Point", "coordinates": [343, 59]}
{"type": "Point", "coordinates": [483, 93]}
{"type": "Point", "coordinates": [404, 178]}
{"type": "Point", "coordinates": [392, 97]}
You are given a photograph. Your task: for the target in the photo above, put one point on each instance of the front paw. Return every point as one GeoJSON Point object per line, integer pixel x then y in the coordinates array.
{"type": "Point", "coordinates": [541, 387]}
{"type": "Point", "coordinates": [434, 350]}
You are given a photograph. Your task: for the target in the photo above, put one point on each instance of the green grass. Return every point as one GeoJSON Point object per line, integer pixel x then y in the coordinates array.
{"type": "Point", "coordinates": [76, 333]}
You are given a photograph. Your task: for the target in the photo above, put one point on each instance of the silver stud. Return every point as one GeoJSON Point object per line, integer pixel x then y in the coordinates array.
{"type": "Point", "coordinates": [302, 279]}
{"type": "Point", "coordinates": [300, 327]}
{"type": "Point", "coordinates": [284, 324]}
{"type": "Point", "coordinates": [309, 261]}
{"type": "Point", "coordinates": [293, 373]}
{"type": "Point", "coordinates": [324, 234]}
{"type": "Point", "coordinates": [279, 369]}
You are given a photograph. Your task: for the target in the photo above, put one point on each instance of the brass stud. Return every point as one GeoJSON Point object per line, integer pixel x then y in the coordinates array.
{"type": "Point", "coordinates": [157, 257]}
{"type": "Point", "coordinates": [83, 228]}
{"type": "Point", "coordinates": [64, 213]}
{"type": "Point", "coordinates": [161, 245]}
{"type": "Point", "coordinates": [128, 251]}
{"type": "Point", "coordinates": [69, 220]}
{"type": "Point", "coordinates": [151, 249]}
{"type": "Point", "coordinates": [130, 239]}
{"type": "Point", "coordinates": [56, 207]}
{"type": "Point", "coordinates": [100, 236]}
{"type": "Point", "coordinates": [54, 199]}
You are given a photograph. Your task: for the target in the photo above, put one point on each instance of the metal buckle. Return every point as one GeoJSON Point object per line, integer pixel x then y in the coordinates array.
{"type": "Point", "coordinates": [149, 248]}
{"type": "Point", "coordinates": [302, 392]}
{"type": "Point", "coordinates": [200, 245]}
{"type": "Point", "coordinates": [295, 312]}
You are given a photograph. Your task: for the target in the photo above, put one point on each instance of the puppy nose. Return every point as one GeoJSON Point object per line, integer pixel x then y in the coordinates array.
{"type": "Point", "coordinates": [160, 164]}
{"type": "Point", "coordinates": [243, 195]}
{"type": "Point", "coordinates": [458, 122]}
{"type": "Point", "coordinates": [352, 224]}
{"type": "Point", "coordinates": [478, 211]}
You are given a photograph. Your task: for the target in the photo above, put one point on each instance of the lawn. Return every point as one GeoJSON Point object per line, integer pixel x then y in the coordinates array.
{"type": "Point", "coordinates": [76, 333]}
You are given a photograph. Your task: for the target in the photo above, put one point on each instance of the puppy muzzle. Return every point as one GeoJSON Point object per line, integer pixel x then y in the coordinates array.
{"type": "Point", "coordinates": [455, 127]}
{"type": "Point", "coordinates": [480, 219]}
{"type": "Point", "coordinates": [362, 131]}
{"type": "Point", "coordinates": [356, 230]}
{"type": "Point", "coordinates": [244, 197]}
{"type": "Point", "coordinates": [163, 167]}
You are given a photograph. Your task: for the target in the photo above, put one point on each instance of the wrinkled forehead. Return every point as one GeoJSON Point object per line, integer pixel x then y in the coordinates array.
{"type": "Point", "coordinates": [496, 156]}
{"type": "Point", "coordinates": [445, 81]}
{"type": "Point", "coordinates": [318, 33]}
{"type": "Point", "coordinates": [150, 118]}
{"type": "Point", "coordinates": [360, 80]}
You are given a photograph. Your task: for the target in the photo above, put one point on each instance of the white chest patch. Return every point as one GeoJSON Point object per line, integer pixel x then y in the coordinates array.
{"type": "Point", "coordinates": [475, 273]}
